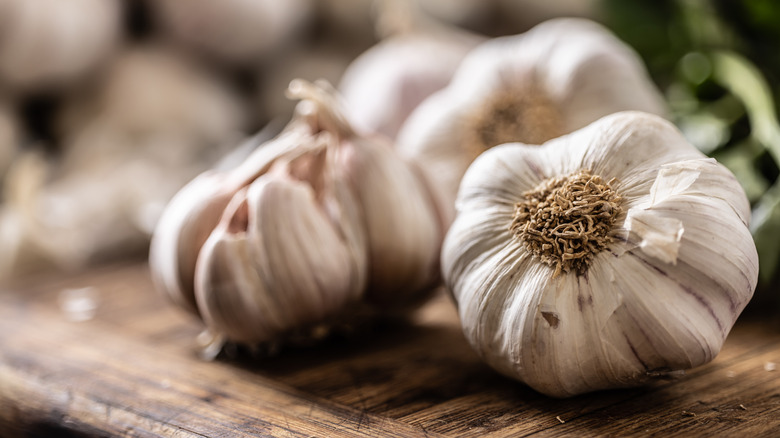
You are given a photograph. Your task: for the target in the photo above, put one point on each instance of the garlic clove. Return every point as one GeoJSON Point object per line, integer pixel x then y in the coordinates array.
{"type": "Point", "coordinates": [677, 268]}
{"type": "Point", "coordinates": [188, 220]}
{"type": "Point", "coordinates": [403, 243]}
{"type": "Point", "coordinates": [279, 261]}
{"type": "Point", "coordinates": [193, 213]}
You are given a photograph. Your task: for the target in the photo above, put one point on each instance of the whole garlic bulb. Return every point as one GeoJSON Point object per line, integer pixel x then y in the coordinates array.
{"type": "Point", "coordinates": [555, 78]}
{"type": "Point", "coordinates": [50, 42]}
{"type": "Point", "coordinates": [601, 258]}
{"type": "Point", "coordinates": [313, 225]}
{"type": "Point", "coordinates": [240, 31]}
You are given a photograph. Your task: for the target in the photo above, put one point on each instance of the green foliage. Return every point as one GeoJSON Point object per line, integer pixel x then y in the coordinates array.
{"type": "Point", "coordinates": [719, 64]}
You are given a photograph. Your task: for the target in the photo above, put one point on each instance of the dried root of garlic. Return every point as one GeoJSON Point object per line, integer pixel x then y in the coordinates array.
{"type": "Point", "coordinates": [314, 227]}
{"type": "Point", "coordinates": [599, 259]}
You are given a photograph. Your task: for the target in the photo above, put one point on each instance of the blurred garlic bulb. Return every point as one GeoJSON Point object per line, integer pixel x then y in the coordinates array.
{"type": "Point", "coordinates": [556, 78]}
{"type": "Point", "coordinates": [49, 42]}
{"type": "Point", "coordinates": [313, 225]}
{"type": "Point", "coordinates": [240, 31]}
{"type": "Point", "coordinates": [9, 137]}
{"type": "Point", "coordinates": [601, 258]}
{"type": "Point", "coordinates": [384, 84]}
{"type": "Point", "coordinates": [154, 124]}
{"type": "Point", "coordinates": [157, 106]}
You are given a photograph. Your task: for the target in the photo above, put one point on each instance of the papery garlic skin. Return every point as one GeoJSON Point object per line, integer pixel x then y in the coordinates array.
{"type": "Point", "coordinates": [559, 76]}
{"type": "Point", "coordinates": [314, 227]}
{"type": "Point", "coordinates": [402, 263]}
{"type": "Point", "coordinates": [382, 86]}
{"type": "Point", "coordinates": [194, 212]}
{"type": "Point", "coordinates": [680, 268]}
{"type": "Point", "coordinates": [278, 261]}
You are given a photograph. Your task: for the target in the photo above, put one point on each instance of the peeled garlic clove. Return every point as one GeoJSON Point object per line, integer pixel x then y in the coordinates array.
{"type": "Point", "coordinates": [285, 256]}
{"type": "Point", "coordinates": [601, 258]}
{"type": "Point", "coordinates": [554, 79]}
{"type": "Point", "coordinates": [51, 43]}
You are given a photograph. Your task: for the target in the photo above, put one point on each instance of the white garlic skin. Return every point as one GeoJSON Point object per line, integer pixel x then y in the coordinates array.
{"type": "Point", "coordinates": [278, 261]}
{"type": "Point", "coordinates": [316, 225]}
{"type": "Point", "coordinates": [53, 42]}
{"type": "Point", "coordinates": [382, 86]}
{"type": "Point", "coordinates": [194, 212]}
{"type": "Point", "coordinates": [662, 297]}
{"type": "Point", "coordinates": [402, 245]}
{"type": "Point", "coordinates": [582, 68]}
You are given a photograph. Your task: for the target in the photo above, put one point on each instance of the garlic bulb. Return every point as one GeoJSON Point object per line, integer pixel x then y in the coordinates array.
{"type": "Point", "coordinates": [240, 31]}
{"type": "Point", "coordinates": [555, 78]}
{"type": "Point", "coordinates": [49, 42]}
{"type": "Point", "coordinates": [312, 226]}
{"type": "Point", "coordinates": [152, 124]}
{"type": "Point", "coordinates": [601, 258]}
{"type": "Point", "coordinates": [384, 84]}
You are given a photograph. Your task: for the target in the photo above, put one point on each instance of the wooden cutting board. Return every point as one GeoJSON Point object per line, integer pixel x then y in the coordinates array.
{"type": "Point", "coordinates": [117, 359]}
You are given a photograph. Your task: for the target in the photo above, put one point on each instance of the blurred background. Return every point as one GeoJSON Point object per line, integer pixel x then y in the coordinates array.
{"type": "Point", "coordinates": [108, 107]}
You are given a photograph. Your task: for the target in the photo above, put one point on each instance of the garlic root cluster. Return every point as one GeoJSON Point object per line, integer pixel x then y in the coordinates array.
{"type": "Point", "coordinates": [315, 225]}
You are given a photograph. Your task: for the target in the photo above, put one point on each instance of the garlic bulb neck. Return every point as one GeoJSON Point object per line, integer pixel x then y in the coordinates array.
{"type": "Point", "coordinates": [321, 105]}
{"type": "Point", "coordinates": [566, 221]}
{"type": "Point", "coordinates": [520, 114]}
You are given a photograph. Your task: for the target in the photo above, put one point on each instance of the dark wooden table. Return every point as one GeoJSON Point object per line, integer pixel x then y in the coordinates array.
{"type": "Point", "coordinates": [130, 366]}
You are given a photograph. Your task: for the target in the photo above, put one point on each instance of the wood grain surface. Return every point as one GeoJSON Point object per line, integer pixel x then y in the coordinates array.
{"type": "Point", "coordinates": [134, 369]}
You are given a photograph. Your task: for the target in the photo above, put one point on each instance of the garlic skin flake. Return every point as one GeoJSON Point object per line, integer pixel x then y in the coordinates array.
{"type": "Point", "coordinates": [678, 267]}
{"type": "Point", "coordinates": [553, 79]}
